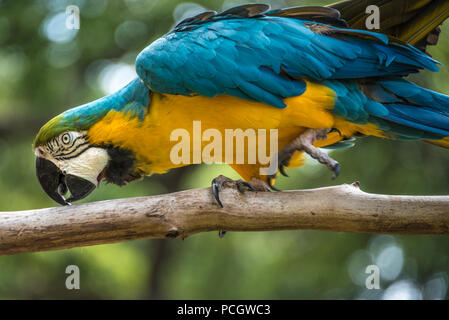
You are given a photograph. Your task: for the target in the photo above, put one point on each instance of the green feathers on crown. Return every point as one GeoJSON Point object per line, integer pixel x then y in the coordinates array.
{"type": "Point", "coordinates": [134, 98]}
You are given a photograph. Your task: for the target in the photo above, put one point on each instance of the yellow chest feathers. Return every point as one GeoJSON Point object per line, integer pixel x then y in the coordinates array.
{"type": "Point", "coordinates": [153, 139]}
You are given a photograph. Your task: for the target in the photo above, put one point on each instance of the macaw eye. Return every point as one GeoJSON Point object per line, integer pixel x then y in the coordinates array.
{"type": "Point", "coordinates": [66, 138]}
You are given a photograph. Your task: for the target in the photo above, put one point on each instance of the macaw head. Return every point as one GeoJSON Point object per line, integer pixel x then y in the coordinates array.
{"type": "Point", "coordinates": [67, 161]}
{"type": "Point", "coordinates": [73, 158]}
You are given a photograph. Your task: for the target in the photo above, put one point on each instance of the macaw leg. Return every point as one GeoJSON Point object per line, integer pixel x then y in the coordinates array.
{"type": "Point", "coordinates": [222, 182]}
{"type": "Point", "coordinates": [305, 143]}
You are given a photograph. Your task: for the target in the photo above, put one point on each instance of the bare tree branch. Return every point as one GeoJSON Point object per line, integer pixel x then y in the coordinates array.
{"type": "Point", "coordinates": [344, 208]}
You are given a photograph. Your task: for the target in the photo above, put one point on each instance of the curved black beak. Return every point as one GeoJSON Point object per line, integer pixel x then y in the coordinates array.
{"type": "Point", "coordinates": [56, 184]}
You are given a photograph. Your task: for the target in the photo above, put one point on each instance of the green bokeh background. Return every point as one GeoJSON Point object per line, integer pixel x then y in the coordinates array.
{"type": "Point", "coordinates": [45, 69]}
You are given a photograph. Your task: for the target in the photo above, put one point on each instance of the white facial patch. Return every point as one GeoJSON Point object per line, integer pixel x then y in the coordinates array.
{"type": "Point", "coordinates": [88, 165]}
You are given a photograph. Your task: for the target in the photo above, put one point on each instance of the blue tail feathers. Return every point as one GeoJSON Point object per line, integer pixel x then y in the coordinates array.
{"type": "Point", "coordinates": [413, 107]}
{"type": "Point", "coordinates": [397, 106]}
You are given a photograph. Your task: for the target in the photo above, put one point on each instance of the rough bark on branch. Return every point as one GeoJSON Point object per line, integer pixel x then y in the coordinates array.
{"type": "Point", "coordinates": [344, 208]}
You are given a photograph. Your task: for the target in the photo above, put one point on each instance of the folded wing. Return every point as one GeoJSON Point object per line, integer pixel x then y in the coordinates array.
{"type": "Point", "coordinates": [260, 55]}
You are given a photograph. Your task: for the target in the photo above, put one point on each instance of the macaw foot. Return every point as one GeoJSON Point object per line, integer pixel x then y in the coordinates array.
{"type": "Point", "coordinates": [222, 182]}
{"type": "Point", "coordinates": [305, 143]}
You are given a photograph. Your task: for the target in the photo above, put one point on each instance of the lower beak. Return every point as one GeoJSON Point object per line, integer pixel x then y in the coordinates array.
{"type": "Point", "coordinates": [56, 184]}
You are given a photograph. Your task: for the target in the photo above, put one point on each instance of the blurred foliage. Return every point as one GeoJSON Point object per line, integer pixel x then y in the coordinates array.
{"type": "Point", "coordinates": [45, 69]}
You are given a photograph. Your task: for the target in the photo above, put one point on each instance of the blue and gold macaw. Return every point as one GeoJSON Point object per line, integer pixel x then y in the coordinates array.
{"type": "Point", "coordinates": [312, 73]}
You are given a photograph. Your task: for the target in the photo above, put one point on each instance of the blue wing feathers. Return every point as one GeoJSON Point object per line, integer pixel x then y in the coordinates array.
{"type": "Point", "coordinates": [260, 55]}
{"type": "Point", "coordinates": [249, 55]}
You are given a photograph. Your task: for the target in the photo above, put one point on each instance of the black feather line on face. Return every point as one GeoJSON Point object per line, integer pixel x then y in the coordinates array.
{"type": "Point", "coordinates": [121, 168]}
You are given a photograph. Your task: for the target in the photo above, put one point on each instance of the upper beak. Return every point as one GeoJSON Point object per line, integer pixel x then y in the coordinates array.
{"type": "Point", "coordinates": [56, 184]}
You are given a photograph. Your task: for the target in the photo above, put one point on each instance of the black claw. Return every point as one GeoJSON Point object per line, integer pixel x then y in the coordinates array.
{"type": "Point", "coordinates": [282, 170]}
{"type": "Point", "coordinates": [220, 182]}
{"type": "Point", "coordinates": [336, 130]}
{"type": "Point", "coordinates": [241, 184]}
{"type": "Point", "coordinates": [216, 192]}
{"type": "Point", "coordinates": [336, 169]}
{"type": "Point", "coordinates": [270, 185]}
